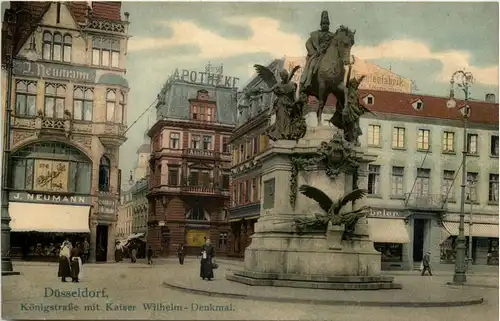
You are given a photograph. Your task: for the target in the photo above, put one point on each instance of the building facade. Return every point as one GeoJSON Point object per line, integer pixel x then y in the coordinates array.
{"type": "Point", "coordinates": [140, 206]}
{"type": "Point", "coordinates": [189, 187]}
{"type": "Point", "coordinates": [125, 219]}
{"type": "Point", "coordinates": [67, 124]}
{"type": "Point", "coordinates": [418, 142]}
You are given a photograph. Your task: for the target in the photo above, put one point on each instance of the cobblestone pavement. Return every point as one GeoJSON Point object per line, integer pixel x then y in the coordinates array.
{"type": "Point", "coordinates": [128, 287]}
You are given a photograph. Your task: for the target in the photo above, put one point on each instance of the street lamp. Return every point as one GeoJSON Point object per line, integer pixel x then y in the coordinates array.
{"type": "Point", "coordinates": [471, 197]}
{"type": "Point", "coordinates": [464, 81]}
{"type": "Point", "coordinates": [8, 63]}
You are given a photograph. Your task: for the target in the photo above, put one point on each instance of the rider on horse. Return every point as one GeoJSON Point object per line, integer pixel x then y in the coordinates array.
{"type": "Point", "coordinates": [316, 46]}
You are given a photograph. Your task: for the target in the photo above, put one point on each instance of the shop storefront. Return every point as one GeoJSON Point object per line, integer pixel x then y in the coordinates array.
{"type": "Point", "coordinates": [41, 222]}
{"type": "Point", "coordinates": [484, 231]}
{"type": "Point", "coordinates": [242, 223]}
{"type": "Point", "coordinates": [389, 233]}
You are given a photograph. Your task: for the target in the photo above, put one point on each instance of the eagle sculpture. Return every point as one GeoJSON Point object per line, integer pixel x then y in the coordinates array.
{"type": "Point", "coordinates": [332, 210]}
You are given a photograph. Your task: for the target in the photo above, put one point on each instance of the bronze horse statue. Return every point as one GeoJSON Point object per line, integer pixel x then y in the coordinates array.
{"type": "Point", "coordinates": [329, 77]}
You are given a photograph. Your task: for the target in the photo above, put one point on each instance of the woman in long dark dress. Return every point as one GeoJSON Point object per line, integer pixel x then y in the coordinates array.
{"type": "Point", "coordinates": [64, 261]}
{"type": "Point", "coordinates": [75, 263]}
{"type": "Point", "coordinates": [207, 257]}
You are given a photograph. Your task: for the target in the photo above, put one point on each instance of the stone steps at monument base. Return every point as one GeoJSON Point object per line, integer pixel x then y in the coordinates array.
{"type": "Point", "coordinates": [314, 278]}
{"type": "Point", "coordinates": [314, 285]}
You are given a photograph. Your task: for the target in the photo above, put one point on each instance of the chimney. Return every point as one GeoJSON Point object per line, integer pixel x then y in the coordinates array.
{"type": "Point", "coordinates": [490, 98]}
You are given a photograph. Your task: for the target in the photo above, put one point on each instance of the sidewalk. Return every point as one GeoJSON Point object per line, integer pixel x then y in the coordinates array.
{"type": "Point", "coordinates": [417, 291]}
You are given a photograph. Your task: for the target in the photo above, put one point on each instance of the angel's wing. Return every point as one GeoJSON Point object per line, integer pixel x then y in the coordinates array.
{"type": "Point", "coordinates": [294, 70]}
{"type": "Point", "coordinates": [321, 198]}
{"type": "Point", "coordinates": [354, 195]}
{"type": "Point", "coordinates": [266, 75]}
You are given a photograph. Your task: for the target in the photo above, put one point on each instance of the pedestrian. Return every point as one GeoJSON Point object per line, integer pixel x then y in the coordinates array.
{"type": "Point", "coordinates": [76, 263]}
{"type": "Point", "coordinates": [133, 253]}
{"type": "Point", "coordinates": [150, 256]}
{"type": "Point", "coordinates": [181, 254]}
{"type": "Point", "coordinates": [86, 251]}
{"type": "Point", "coordinates": [64, 261]}
{"type": "Point", "coordinates": [207, 259]}
{"type": "Point", "coordinates": [426, 263]}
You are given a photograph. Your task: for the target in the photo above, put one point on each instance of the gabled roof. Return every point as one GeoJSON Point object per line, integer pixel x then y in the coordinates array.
{"type": "Point", "coordinates": [435, 107]}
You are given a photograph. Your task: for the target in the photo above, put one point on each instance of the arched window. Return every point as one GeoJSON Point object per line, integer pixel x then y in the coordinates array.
{"type": "Point", "coordinates": [47, 46]}
{"type": "Point", "coordinates": [57, 47]}
{"type": "Point", "coordinates": [67, 48]}
{"type": "Point", "coordinates": [110, 106]}
{"type": "Point", "coordinates": [197, 213]}
{"type": "Point", "coordinates": [51, 167]}
{"type": "Point", "coordinates": [104, 172]}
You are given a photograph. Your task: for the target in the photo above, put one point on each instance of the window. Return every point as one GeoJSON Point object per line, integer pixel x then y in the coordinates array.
{"type": "Point", "coordinates": [56, 47]}
{"type": "Point", "coordinates": [447, 189]}
{"type": "Point", "coordinates": [493, 188]}
{"type": "Point", "coordinates": [247, 191]}
{"type": "Point", "coordinates": [201, 113]}
{"type": "Point", "coordinates": [194, 113]}
{"type": "Point", "coordinates": [374, 135]}
{"type": "Point", "coordinates": [114, 106]}
{"type": "Point", "coordinates": [373, 179]}
{"type": "Point", "coordinates": [32, 164]}
{"type": "Point", "coordinates": [205, 179]}
{"type": "Point", "coordinates": [255, 189]}
{"type": "Point", "coordinates": [225, 144]}
{"type": "Point", "coordinates": [223, 241]}
{"type": "Point", "coordinates": [419, 105]}
{"type": "Point", "coordinates": [448, 142]}
{"type": "Point", "coordinates": [197, 214]}
{"type": "Point", "coordinates": [242, 153]}
{"type": "Point", "coordinates": [240, 193]}
{"type": "Point", "coordinates": [82, 103]}
{"type": "Point", "coordinates": [369, 100]}
{"type": "Point", "coordinates": [55, 96]}
{"type": "Point", "coordinates": [235, 193]}
{"type": "Point", "coordinates": [472, 144]}
{"type": "Point", "coordinates": [207, 142]}
{"type": "Point", "coordinates": [209, 114]}
{"type": "Point", "coordinates": [194, 177]}
{"type": "Point", "coordinates": [494, 146]}
{"type": "Point", "coordinates": [398, 137]}
{"type": "Point", "coordinates": [255, 145]}
{"type": "Point", "coordinates": [104, 173]}
{"type": "Point", "coordinates": [397, 181]}
{"type": "Point", "coordinates": [472, 186]}
{"type": "Point", "coordinates": [26, 98]}
{"type": "Point", "coordinates": [174, 140]}
{"type": "Point", "coordinates": [423, 139]}
{"type": "Point", "coordinates": [422, 184]}
{"type": "Point", "coordinates": [195, 141]}
{"type": "Point", "coordinates": [173, 175]}
{"type": "Point", "coordinates": [390, 252]}
{"type": "Point", "coordinates": [225, 181]}
{"type": "Point", "coordinates": [106, 52]}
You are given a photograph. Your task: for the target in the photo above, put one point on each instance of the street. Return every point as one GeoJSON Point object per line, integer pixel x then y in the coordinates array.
{"type": "Point", "coordinates": [127, 291]}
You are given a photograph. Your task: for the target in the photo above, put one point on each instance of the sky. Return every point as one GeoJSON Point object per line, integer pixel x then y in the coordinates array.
{"type": "Point", "coordinates": [425, 42]}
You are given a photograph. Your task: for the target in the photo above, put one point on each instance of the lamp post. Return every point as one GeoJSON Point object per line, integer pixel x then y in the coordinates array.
{"type": "Point", "coordinates": [8, 64]}
{"type": "Point", "coordinates": [464, 81]}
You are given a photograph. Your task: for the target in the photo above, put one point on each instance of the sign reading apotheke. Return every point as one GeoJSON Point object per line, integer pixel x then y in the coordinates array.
{"type": "Point", "coordinates": [377, 212]}
{"type": "Point", "coordinates": [48, 70]}
{"type": "Point", "coordinates": [49, 198]}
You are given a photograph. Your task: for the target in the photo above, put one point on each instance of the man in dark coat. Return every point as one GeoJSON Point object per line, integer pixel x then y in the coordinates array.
{"type": "Point", "coordinates": [207, 257]}
{"type": "Point", "coordinates": [76, 263]}
{"type": "Point", "coordinates": [426, 262]}
{"type": "Point", "coordinates": [181, 254]}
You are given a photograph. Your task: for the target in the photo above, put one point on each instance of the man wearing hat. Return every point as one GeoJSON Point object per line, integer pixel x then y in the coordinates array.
{"type": "Point", "coordinates": [316, 46]}
{"type": "Point", "coordinates": [426, 262]}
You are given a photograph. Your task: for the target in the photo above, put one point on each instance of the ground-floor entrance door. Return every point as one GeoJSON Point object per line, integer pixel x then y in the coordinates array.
{"type": "Point", "coordinates": [102, 243]}
{"type": "Point", "coordinates": [418, 239]}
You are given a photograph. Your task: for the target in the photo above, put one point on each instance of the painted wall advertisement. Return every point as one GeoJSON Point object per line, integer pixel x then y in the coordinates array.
{"type": "Point", "coordinates": [195, 237]}
{"type": "Point", "coordinates": [51, 175]}
{"type": "Point", "coordinates": [376, 78]}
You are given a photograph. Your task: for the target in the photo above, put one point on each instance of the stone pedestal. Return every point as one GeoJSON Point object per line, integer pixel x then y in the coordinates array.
{"type": "Point", "coordinates": [278, 255]}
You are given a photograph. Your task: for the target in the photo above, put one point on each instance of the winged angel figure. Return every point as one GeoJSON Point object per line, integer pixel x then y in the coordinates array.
{"type": "Point", "coordinates": [333, 210]}
{"type": "Point", "coordinates": [290, 123]}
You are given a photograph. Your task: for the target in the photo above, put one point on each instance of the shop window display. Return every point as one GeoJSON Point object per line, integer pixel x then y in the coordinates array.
{"type": "Point", "coordinates": [391, 252]}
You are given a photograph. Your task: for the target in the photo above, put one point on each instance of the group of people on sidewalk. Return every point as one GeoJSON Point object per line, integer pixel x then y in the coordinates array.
{"type": "Point", "coordinates": [70, 260]}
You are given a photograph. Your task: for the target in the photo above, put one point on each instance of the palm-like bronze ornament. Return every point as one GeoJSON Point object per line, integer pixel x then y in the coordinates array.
{"type": "Point", "coordinates": [332, 210]}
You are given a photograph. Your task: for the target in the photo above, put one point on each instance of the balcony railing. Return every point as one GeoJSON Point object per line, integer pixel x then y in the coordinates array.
{"type": "Point", "coordinates": [162, 183]}
{"type": "Point", "coordinates": [425, 201]}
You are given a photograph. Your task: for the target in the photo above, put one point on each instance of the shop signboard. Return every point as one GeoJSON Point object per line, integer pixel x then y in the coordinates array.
{"type": "Point", "coordinates": [195, 237]}
{"type": "Point", "coordinates": [476, 218]}
{"type": "Point", "coordinates": [386, 213]}
{"type": "Point", "coordinates": [56, 71]}
{"type": "Point", "coordinates": [51, 198]}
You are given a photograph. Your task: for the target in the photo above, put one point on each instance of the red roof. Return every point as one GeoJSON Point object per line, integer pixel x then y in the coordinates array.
{"type": "Point", "coordinates": [79, 10]}
{"type": "Point", "coordinates": [434, 107]}
{"type": "Point", "coordinates": [109, 10]}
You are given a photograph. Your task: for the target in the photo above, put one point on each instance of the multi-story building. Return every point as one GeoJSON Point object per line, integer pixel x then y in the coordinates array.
{"type": "Point", "coordinates": [141, 169]}
{"type": "Point", "coordinates": [67, 123]}
{"type": "Point", "coordinates": [125, 211]}
{"type": "Point", "coordinates": [190, 165]}
{"type": "Point", "coordinates": [418, 143]}
{"type": "Point", "coordinates": [140, 206]}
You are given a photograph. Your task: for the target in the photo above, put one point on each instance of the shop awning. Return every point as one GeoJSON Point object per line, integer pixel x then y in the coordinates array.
{"type": "Point", "coordinates": [480, 230]}
{"type": "Point", "coordinates": [384, 230]}
{"type": "Point", "coordinates": [27, 217]}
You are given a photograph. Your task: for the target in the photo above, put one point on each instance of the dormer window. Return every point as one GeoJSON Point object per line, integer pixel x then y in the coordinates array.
{"type": "Point", "coordinates": [369, 100]}
{"type": "Point", "coordinates": [418, 105]}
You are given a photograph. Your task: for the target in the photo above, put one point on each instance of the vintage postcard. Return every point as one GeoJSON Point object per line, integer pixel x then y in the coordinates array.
{"type": "Point", "coordinates": [250, 160]}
